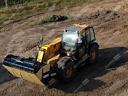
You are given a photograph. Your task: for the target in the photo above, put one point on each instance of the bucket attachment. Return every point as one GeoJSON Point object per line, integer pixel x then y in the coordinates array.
{"type": "Point", "coordinates": [24, 68]}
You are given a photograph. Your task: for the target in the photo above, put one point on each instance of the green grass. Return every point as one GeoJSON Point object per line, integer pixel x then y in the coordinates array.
{"type": "Point", "coordinates": [36, 6]}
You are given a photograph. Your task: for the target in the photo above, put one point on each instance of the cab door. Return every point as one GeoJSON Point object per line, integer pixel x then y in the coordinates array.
{"type": "Point", "coordinates": [82, 48]}
{"type": "Point", "coordinates": [89, 37]}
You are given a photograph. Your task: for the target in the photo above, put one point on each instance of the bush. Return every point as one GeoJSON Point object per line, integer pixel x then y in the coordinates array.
{"type": "Point", "coordinates": [53, 18]}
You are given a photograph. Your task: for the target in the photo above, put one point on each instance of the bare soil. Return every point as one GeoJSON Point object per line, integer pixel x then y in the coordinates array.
{"type": "Point", "coordinates": [109, 19]}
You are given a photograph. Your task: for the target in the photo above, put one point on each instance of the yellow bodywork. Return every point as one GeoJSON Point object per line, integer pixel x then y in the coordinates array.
{"type": "Point", "coordinates": [40, 56]}
{"type": "Point", "coordinates": [49, 50]}
{"type": "Point", "coordinates": [48, 54]}
{"type": "Point", "coordinates": [34, 78]}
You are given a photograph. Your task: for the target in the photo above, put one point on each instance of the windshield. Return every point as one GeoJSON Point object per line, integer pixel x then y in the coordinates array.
{"type": "Point", "coordinates": [70, 38]}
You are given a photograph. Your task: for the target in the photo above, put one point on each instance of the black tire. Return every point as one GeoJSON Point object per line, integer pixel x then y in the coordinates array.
{"type": "Point", "coordinates": [66, 72]}
{"type": "Point", "coordinates": [93, 55]}
{"type": "Point", "coordinates": [46, 80]}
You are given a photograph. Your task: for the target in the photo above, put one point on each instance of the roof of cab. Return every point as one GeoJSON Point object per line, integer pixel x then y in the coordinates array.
{"type": "Point", "coordinates": [77, 27]}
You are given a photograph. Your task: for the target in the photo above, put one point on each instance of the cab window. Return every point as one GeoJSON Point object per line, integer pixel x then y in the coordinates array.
{"type": "Point", "coordinates": [92, 34]}
{"type": "Point", "coordinates": [87, 35]}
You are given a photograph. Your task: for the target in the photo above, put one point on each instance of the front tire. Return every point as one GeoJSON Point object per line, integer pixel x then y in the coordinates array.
{"type": "Point", "coordinates": [66, 72]}
{"type": "Point", "coordinates": [47, 79]}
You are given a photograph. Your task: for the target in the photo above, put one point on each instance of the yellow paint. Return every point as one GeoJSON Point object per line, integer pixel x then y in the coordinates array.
{"type": "Point", "coordinates": [49, 50]}
{"type": "Point", "coordinates": [54, 59]}
{"type": "Point", "coordinates": [40, 56]}
{"type": "Point", "coordinates": [25, 75]}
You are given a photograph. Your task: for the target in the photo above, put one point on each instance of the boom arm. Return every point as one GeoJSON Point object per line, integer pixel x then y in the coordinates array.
{"type": "Point", "coordinates": [49, 50]}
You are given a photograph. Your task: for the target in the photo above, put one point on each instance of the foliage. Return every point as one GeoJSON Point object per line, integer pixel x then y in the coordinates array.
{"type": "Point", "coordinates": [22, 8]}
{"type": "Point", "coordinates": [48, 19]}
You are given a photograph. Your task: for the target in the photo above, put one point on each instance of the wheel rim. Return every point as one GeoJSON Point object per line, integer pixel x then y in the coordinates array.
{"type": "Point", "coordinates": [69, 71]}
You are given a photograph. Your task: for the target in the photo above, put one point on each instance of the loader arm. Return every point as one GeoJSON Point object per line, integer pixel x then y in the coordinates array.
{"type": "Point", "coordinates": [33, 70]}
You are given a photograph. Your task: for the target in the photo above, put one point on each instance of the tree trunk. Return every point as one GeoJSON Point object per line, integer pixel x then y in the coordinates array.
{"type": "Point", "coordinates": [6, 3]}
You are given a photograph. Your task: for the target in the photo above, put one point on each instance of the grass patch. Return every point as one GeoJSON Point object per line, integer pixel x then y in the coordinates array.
{"type": "Point", "coordinates": [35, 6]}
{"type": "Point", "coordinates": [2, 20]}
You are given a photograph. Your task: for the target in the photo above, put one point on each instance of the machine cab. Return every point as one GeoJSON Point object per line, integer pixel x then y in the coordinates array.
{"type": "Point", "coordinates": [77, 37]}
{"type": "Point", "coordinates": [70, 38]}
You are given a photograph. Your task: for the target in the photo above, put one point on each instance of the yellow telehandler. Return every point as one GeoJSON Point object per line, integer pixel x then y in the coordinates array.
{"type": "Point", "coordinates": [59, 58]}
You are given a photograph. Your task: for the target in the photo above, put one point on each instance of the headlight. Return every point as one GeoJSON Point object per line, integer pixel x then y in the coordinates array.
{"type": "Point", "coordinates": [69, 54]}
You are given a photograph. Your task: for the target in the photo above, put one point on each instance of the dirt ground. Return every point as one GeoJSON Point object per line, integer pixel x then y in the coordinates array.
{"type": "Point", "coordinates": [109, 19]}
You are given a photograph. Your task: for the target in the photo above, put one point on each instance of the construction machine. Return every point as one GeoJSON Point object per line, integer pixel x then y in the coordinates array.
{"type": "Point", "coordinates": [59, 58]}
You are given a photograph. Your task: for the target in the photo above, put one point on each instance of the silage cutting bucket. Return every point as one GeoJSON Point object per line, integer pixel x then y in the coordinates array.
{"type": "Point", "coordinates": [24, 68]}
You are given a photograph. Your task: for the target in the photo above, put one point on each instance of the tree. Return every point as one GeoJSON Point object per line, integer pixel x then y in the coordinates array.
{"type": "Point", "coordinates": [6, 3]}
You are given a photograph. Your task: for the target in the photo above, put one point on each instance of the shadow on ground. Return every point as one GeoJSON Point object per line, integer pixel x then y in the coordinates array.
{"type": "Point", "coordinates": [92, 71]}
{"type": "Point", "coordinates": [89, 71]}
{"type": "Point", "coordinates": [5, 76]}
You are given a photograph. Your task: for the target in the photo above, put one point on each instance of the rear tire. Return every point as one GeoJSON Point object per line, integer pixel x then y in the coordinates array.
{"type": "Point", "coordinates": [93, 55]}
